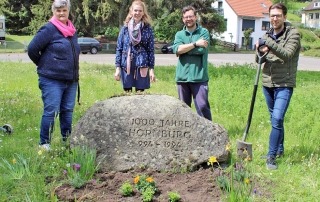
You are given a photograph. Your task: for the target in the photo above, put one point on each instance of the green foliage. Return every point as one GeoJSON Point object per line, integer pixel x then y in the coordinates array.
{"type": "Point", "coordinates": [111, 33]}
{"type": "Point", "coordinates": [229, 96]}
{"type": "Point", "coordinates": [143, 182]}
{"type": "Point", "coordinates": [17, 168]}
{"type": "Point", "coordinates": [126, 189]}
{"type": "Point", "coordinates": [172, 20]}
{"type": "Point", "coordinates": [146, 186]}
{"type": "Point", "coordinates": [174, 196]}
{"type": "Point", "coordinates": [246, 34]}
{"type": "Point", "coordinates": [81, 166]}
{"type": "Point", "coordinates": [147, 194]}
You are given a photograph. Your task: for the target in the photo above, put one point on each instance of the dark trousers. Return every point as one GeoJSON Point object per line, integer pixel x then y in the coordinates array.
{"type": "Point", "coordinates": [199, 93]}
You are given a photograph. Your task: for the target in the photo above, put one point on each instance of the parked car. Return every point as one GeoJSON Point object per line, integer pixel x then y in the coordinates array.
{"type": "Point", "coordinates": [88, 44]}
{"type": "Point", "coordinates": [167, 48]}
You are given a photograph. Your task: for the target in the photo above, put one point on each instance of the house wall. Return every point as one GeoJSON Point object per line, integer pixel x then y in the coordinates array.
{"type": "Point", "coordinates": [308, 22]}
{"type": "Point", "coordinates": [234, 25]}
{"type": "Point", "coordinates": [2, 28]}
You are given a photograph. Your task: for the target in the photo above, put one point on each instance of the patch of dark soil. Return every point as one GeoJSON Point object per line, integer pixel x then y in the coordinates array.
{"type": "Point", "coordinates": [197, 186]}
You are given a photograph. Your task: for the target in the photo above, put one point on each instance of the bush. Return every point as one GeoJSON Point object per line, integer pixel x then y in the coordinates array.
{"type": "Point", "coordinates": [112, 33]}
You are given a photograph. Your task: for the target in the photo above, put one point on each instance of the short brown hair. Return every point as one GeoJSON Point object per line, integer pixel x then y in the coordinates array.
{"type": "Point", "coordinates": [188, 8]}
{"type": "Point", "coordinates": [280, 6]}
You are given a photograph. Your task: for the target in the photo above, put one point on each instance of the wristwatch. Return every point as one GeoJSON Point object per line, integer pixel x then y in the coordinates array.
{"type": "Point", "coordinates": [195, 44]}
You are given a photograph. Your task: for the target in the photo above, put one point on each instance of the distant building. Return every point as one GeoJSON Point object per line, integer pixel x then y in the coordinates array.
{"type": "Point", "coordinates": [242, 15]}
{"type": "Point", "coordinates": [310, 15]}
{"type": "Point", "coordinates": [2, 28]}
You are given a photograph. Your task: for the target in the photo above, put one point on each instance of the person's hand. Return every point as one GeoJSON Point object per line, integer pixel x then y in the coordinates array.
{"type": "Point", "coordinates": [152, 76]}
{"type": "Point", "coordinates": [261, 42]}
{"type": "Point", "coordinates": [202, 43]}
{"type": "Point", "coordinates": [117, 74]}
{"type": "Point", "coordinates": [261, 46]}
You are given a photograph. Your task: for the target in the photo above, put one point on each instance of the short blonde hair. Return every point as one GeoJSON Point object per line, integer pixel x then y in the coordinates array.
{"type": "Point", "coordinates": [60, 3]}
{"type": "Point", "coordinates": [145, 18]}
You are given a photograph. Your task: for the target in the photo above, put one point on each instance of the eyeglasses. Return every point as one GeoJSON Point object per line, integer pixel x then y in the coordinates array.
{"type": "Point", "coordinates": [276, 16]}
{"type": "Point", "coordinates": [188, 17]}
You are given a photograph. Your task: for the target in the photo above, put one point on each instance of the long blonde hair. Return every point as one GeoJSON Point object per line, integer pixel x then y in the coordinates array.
{"type": "Point", "coordinates": [145, 18]}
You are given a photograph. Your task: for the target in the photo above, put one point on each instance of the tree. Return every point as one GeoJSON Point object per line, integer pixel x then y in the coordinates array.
{"type": "Point", "coordinates": [172, 17]}
{"type": "Point", "coordinates": [18, 15]}
{"type": "Point", "coordinates": [42, 13]}
{"type": "Point", "coordinates": [246, 34]}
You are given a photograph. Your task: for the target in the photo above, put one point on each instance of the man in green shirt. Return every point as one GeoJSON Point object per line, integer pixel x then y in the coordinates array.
{"type": "Point", "coordinates": [191, 46]}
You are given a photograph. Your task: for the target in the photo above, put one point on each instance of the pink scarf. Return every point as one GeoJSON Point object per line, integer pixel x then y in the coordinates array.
{"type": "Point", "coordinates": [66, 29]}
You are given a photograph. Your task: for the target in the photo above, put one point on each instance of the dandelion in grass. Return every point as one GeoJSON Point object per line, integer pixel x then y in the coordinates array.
{"type": "Point", "coordinates": [228, 147]}
{"type": "Point", "coordinates": [14, 161]}
{"type": "Point", "coordinates": [248, 158]}
{"type": "Point", "coordinates": [247, 180]}
{"type": "Point", "coordinates": [40, 152]}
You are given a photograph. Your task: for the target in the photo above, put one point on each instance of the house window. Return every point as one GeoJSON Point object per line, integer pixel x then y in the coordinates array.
{"type": "Point", "coordinates": [265, 25]}
{"type": "Point", "coordinates": [246, 24]}
{"type": "Point", "coordinates": [310, 16]}
{"type": "Point", "coordinates": [316, 4]}
{"type": "Point", "coordinates": [1, 25]}
{"type": "Point", "coordinates": [317, 15]}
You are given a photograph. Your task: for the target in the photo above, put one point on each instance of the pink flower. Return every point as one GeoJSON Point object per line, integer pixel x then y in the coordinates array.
{"type": "Point", "coordinates": [76, 167]}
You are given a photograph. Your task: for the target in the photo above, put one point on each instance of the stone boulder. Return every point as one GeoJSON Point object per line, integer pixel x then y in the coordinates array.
{"type": "Point", "coordinates": [154, 131]}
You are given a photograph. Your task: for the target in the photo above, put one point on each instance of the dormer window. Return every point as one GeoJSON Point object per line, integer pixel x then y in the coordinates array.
{"type": "Point", "coordinates": [317, 4]}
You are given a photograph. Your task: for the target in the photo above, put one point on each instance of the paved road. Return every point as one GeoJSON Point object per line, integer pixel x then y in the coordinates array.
{"type": "Point", "coordinates": [305, 63]}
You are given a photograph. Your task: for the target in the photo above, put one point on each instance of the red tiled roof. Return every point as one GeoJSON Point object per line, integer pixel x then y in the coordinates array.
{"type": "Point", "coordinates": [250, 8]}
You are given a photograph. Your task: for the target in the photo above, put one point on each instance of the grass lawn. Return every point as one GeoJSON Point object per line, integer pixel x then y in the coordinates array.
{"type": "Point", "coordinates": [25, 172]}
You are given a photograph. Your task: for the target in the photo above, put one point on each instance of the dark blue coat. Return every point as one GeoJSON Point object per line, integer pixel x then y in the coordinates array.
{"type": "Point", "coordinates": [142, 53]}
{"type": "Point", "coordinates": [56, 56]}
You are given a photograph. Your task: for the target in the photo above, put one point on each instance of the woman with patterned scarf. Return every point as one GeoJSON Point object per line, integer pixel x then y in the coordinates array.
{"type": "Point", "coordinates": [135, 50]}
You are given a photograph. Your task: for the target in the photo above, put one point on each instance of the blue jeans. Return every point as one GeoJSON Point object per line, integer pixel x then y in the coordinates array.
{"type": "Point", "coordinates": [58, 99]}
{"type": "Point", "coordinates": [278, 100]}
{"type": "Point", "coordinates": [199, 93]}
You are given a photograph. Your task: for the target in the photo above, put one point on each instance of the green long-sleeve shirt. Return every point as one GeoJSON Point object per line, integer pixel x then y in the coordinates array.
{"type": "Point", "coordinates": [193, 65]}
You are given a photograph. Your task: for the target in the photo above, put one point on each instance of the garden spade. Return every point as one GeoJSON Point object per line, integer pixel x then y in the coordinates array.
{"type": "Point", "coordinates": [244, 149]}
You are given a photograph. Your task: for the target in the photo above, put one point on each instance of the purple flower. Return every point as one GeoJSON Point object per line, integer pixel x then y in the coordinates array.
{"type": "Point", "coordinates": [76, 167]}
{"type": "Point", "coordinates": [65, 172]}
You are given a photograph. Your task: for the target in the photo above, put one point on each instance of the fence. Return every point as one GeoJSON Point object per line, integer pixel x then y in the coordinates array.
{"type": "Point", "coordinates": [13, 46]}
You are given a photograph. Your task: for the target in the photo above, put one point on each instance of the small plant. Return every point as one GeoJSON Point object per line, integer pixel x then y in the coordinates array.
{"type": "Point", "coordinates": [148, 194]}
{"type": "Point", "coordinates": [126, 189]}
{"type": "Point", "coordinates": [20, 166]}
{"type": "Point", "coordinates": [146, 186]}
{"type": "Point", "coordinates": [81, 166]}
{"type": "Point", "coordinates": [174, 196]}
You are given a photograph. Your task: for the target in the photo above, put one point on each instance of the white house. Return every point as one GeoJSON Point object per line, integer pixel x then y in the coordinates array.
{"type": "Point", "coordinates": [310, 15]}
{"type": "Point", "coordinates": [2, 28]}
{"type": "Point", "coordinates": [242, 15]}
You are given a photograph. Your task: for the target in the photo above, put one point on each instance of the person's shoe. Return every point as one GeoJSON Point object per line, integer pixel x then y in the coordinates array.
{"type": "Point", "coordinates": [45, 147]}
{"type": "Point", "coordinates": [279, 154]}
{"type": "Point", "coordinates": [271, 163]}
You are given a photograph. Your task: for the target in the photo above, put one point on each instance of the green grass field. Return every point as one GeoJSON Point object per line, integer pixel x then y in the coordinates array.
{"type": "Point", "coordinates": [230, 96]}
